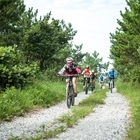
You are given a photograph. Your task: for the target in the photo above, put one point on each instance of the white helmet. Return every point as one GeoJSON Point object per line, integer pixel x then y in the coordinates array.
{"type": "Point", "coordinates": [87, 66]}
{"type": "Point", "coordinates": [69, 61]}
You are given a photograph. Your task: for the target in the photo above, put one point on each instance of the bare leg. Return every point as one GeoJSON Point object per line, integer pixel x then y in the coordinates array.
{"type": "Point", "coordinates": [74, 84]}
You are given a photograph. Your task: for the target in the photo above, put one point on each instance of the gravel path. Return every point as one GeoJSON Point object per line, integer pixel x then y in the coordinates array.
{"type": "Point", "coordinates": [108, 122]}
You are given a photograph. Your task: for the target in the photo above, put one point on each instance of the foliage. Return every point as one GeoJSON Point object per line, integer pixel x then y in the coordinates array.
{"type": "Point", "coordinates": [46, 38]}
{"type": "Point", "coordinates": [42, 93]}
{"type": "Point", "coordinates": [13, 71]}
{"type": "Point", "coordinates": [95, 63]}
{"type": "Point", "coordinates": [125, 43]}
{"type": "Point", "coordinates": [10, 17]}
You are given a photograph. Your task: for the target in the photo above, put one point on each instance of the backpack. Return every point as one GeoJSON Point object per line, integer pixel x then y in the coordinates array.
{"type": "Point", "coordinates": [111, 74]}
{"type": "Point", "coordinates": [101, 78]}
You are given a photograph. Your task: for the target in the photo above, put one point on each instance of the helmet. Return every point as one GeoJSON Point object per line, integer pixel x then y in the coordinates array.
{"type": "Point", "coordinates": [87, 66]}
{"type": "Point", "coordinates": [112, 68]}
{"type": "Point", "coordinates": [69, 61]}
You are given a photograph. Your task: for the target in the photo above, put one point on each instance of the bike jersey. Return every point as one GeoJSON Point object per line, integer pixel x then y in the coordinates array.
{"type": "Point", "coordinates": [111, 74]}
{"type": "Point", "coordinates": [69, 70]}
{"type": "Point", "coordinates": [101, 78]}
{"type": "Point", "coordinates": [93, 76]}
{"type": "Point", "coordinates": [86, 73]}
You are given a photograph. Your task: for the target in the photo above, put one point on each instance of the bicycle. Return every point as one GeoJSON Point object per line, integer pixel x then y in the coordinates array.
{"type": "Point", "coordinates": [92, 84]}
{"type": "Point", "coordinates": [86, 85]}
{"type": "Point", "coordinates": [70, 96]}
{"type": "Point", "coordinates": [111, 85]}
{"type": "Point", "coordinates": [101, 84]}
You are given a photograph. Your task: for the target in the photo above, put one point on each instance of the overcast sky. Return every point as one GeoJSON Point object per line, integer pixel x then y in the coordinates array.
{"type": "Point", "coordinates": [93, 20]}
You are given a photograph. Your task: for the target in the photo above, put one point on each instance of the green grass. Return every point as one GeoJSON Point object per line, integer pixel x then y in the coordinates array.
{"type": "Point", "coordinates": [132, 93]}
{"type": "Point", "coordinates": [41, 94]}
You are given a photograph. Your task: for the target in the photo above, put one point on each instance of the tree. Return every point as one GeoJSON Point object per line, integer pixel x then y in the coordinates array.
{"type": "Point", "coordinates": [125, 42]}
{"type": "Point", "coordinates": [46, 38]}
{"type": "Point", "coordinates": [10, 16]}
{"type": "Point", "coordinates": [95, 63]}
{"type": "Point", "coordinates": [77, 54]}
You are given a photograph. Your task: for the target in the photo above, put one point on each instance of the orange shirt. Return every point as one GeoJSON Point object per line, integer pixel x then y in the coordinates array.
{"type": "Point", "coordinates": [86, 72]}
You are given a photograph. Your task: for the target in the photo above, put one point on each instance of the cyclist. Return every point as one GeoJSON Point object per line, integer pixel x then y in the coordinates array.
{"type": "Point", "coordinates": [111, 75]}
{"type": "Point", "coordinates": [101, 80]}
{"type": "Point", "coordinates": [70, 69]}
{"type": "Point", "coordinates": [93, 78]}
{"type": "Point", "coordinates": [86, 74]}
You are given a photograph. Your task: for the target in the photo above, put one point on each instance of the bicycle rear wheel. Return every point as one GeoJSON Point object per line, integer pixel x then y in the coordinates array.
{"type": "Point", "coordinates": [92, 86]}
{"type": "Point", "coordinates": [67, 96]}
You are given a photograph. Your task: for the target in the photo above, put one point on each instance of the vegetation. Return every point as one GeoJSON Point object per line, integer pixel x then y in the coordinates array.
{"type": "Point", "coordinates": [42, 93]}
{"type": "Point", "coordinates": [125, 49]}
{"type": "Point", "coordinates": [32, 51]}
{"type": "Point", "coordinates": [29, 45]}
{"type": "Point", "coordinates": [125, 52]}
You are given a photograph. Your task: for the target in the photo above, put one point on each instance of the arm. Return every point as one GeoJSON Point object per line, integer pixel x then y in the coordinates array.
{"type": "Point", "coordinates": [83, 72]}
{"type": "Point", "coordinates": [62, 71]}
{"type": "Point", "coordinates": [78, 70]}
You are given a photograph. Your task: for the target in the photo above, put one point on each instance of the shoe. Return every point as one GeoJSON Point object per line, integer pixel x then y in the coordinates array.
{"type": "Point", "coordinates": [75, 94]}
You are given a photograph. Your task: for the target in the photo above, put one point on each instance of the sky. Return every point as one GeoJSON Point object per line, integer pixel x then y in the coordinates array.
{"type": "Point", "coordinates": [94, 20]}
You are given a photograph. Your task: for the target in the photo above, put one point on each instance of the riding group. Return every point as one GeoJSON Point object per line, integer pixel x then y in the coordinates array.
{"type": "Point", "coordinates": [70, 68]}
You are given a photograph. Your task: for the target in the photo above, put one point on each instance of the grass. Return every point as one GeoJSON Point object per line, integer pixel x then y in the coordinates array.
{"type": "Point", "coordinates": [132, 93]}
{"type": "Point", "coordinates": [41, 94]}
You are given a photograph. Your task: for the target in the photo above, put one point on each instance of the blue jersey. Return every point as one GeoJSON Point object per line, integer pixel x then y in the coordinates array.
{"type": "Point", "coordinates": [112, 74]}
{"type": "Point", "coordinates": [101, 78]}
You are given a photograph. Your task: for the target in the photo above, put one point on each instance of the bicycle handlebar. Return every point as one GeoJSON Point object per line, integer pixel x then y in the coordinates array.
{"type": "Point", "coordinates": [70, 75]}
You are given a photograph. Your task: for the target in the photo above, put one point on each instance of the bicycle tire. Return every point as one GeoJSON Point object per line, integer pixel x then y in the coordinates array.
{"type": "Point", "coordinates": [86, 87]}
{"type": "Point", "coordinates": [92, 86]}
{"type": "Point", "coordinates": [100, 85]}
{"type": "Point", "coordinates": [111, 86]}
{"type": "Point", "coordinates": [67, 96]}
{"type": "Point", "coordinates": [72, 97]}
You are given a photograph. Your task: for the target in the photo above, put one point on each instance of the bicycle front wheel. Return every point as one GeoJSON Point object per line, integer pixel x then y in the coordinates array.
{"type": "Point", "coordinates": [67, 96]}
{"type": "Point", "coordinates": [86, 88]}
{"type": "Point", "coordinates": [70, 99]}
{"type": "Point", "coordinates": [111, 86]}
